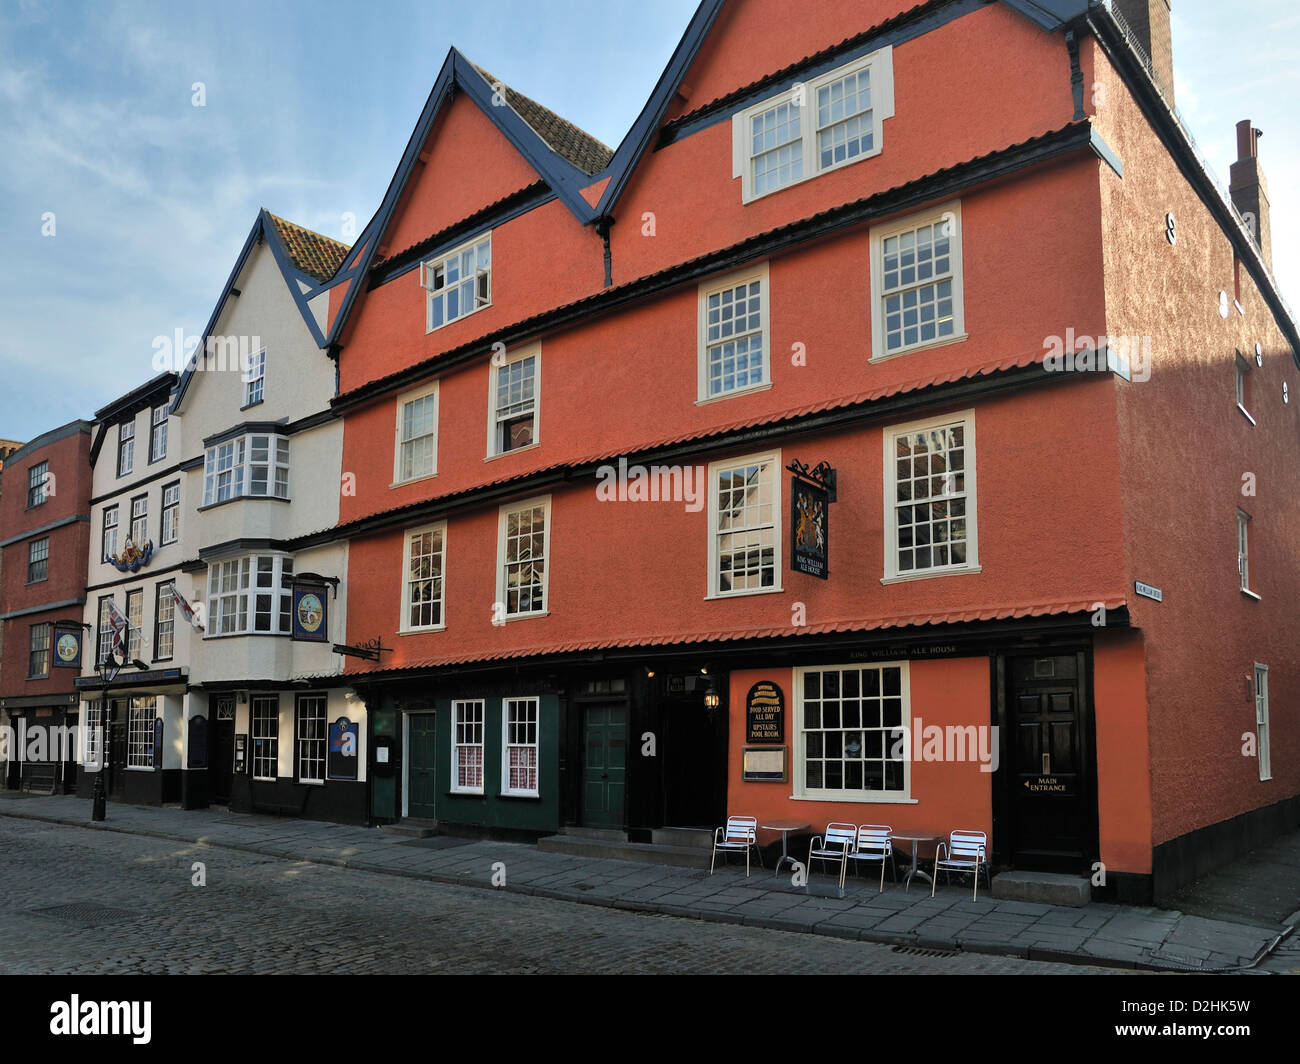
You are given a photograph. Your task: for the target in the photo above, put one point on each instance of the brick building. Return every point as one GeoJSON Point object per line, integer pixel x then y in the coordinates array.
{"type": "Point", "coordinates": [44, 532]}
{"type": "Point", "coordinates": [592, 400]}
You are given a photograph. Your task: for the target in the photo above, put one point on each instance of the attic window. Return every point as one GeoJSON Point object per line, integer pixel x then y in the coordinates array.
{"type": "Point", "coordinates": [814, 127]}
{"type": "Point", "coordinates": [458, 283]}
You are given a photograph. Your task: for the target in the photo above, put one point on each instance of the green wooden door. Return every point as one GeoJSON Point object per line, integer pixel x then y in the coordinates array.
{"type": "Point", "coordinates": [604, 778]}
{"type": "Point", "coordinates": [421, 780]}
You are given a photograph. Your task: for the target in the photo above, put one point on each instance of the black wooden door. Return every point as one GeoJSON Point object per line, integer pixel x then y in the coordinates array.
{"type": "Point", "coordinates": [117, 754]}
{"type": "Point", "coordinates": [1052, 806]}
{"type": "Point", "coordinates": [221, 754]}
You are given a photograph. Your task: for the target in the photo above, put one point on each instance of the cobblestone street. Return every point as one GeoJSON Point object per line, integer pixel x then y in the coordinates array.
{"type": "Point", "coordinates": [266, 914]}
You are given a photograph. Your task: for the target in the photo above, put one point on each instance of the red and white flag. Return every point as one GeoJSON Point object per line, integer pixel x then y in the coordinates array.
{"type": "Point", "coordinates": [186, 610]}
{"type": "Point", "coordinates": [119, 625]}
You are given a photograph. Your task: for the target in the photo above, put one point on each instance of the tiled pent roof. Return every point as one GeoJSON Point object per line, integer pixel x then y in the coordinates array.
{"type": "Point", "coordinates": [564, 138]}
{"type": "Point", "coordinates": [316, 255]}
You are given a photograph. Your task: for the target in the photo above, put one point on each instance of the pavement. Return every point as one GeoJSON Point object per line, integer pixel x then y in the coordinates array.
{"type": "Point", "coordinates": [1114, 936]}
{"type": "Point", "coordinates": [107, 903]}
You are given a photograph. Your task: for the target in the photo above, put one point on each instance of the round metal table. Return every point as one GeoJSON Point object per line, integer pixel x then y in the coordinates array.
{"type": "Point", "coordinates": [784, 827]}
{"type": "Point", "coordinates": [917, 839]}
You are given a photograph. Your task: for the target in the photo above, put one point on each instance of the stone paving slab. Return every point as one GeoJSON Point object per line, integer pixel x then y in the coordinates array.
{"type": "Point", "coordinates": [1129, 936]}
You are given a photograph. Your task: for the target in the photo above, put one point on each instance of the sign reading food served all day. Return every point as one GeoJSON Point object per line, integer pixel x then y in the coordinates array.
{"type": "Point", "coordinates": [765, 713]}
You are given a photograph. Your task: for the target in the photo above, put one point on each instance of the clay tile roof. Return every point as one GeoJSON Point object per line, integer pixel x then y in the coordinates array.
{"type": "Point", "coordinates": [564, 138]}
{"type": "Point", "coordinates": [317, 256]}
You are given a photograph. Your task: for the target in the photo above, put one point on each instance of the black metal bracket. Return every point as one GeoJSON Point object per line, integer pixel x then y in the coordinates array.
{"type": "Point", "coordinates": [369, 650]}
{"type": "Point", "coordinates": [822, 475]}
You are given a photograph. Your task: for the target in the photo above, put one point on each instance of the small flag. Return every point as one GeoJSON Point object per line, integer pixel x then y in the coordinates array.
{"type": "Point", "coordinates": [120, 626]}
{"type": "Point", "coordinates": [187, 611]}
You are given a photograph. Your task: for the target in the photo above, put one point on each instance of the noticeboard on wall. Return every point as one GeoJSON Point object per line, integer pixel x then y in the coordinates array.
{"type": "Point", "coordinates": [764, 764]}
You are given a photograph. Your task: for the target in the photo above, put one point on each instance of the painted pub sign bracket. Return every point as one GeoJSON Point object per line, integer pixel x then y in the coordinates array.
{"type": "Point", "coordinates": [811, 493]}
{"type": "Point", "coordinates": [367, 651]}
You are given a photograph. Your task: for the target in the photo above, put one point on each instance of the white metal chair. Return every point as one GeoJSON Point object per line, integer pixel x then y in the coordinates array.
{"type": "Point", "coordinates": [740, 834]}
{"type": "Point", "coordinates": [874, 842]}
{"type": "Point", "coordinates": [965, 851]}
{"type": "Point", "coordinates": [834, 845]}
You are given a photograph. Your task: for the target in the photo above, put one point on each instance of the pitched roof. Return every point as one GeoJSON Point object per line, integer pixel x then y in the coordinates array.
{"type": "Point", "coordinates": [564, 138]}
{"type": "Point", "coordinates": [317, 256]}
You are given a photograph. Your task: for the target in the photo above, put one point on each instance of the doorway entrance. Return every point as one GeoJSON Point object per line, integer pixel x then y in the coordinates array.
{"type": "Point", "coordinates": [604, 773]}
{"type": "Point", "coordinates": [421, 767]}
{"type": "Point", "coordinates": [1052, 807]}
{"type": "Point", "coordinates": [221, 757]}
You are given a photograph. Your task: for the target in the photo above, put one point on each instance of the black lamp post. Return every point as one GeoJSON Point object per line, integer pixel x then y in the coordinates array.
{"type": "Point", "coordinates": [109, 667]}
{"type": "Point", "coordinates": [108, 670]}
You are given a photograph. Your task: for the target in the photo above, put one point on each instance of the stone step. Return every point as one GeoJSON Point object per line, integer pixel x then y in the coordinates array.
{"type": "Point", "coordinates": [1047, 888]}
{"type": "Point", "coordinates": [603, 834]}
{"type": "Point", "coordinates": [644, 852]}
{"type": "Point", "coordinates": [690, 838]}
{"type": "Point", "coordinates": [411, 829]}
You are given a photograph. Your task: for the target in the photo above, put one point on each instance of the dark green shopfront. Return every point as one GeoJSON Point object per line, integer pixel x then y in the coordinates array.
{"type": "Point", "coordinates": [532, 752]}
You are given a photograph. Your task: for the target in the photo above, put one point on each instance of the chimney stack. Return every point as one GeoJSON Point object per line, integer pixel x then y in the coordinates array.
{"type": "Point", "coordinates": [1148, 21]}
{"type": "Point", "coordinates": [1249, 190]}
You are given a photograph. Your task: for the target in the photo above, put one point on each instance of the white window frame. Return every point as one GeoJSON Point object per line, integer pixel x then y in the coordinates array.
{"type": "Point", "coordinates": [428, 266]}
{"type": "Point", "coordinates": [399, 443]}
{"type": "Point", "coordinates": [773, 460]}
{"type": "Point", "coordinates": [125, 448]}
{"type": "Point", "coordinates": [889, 435]}
{"type": "Point", "coordinates": [533, 705]}
{"type": "Point", "coordinates": [503, 515]}
{"type": "Point", "coordinates": [164, 621]}
{"type": "Point", "coordinates": [94, 721]}
{"type": "Point", "coordinates": [242, 466]}
{"type": "Point", "coordinates": [173, 510]}
{"type": "Point", "coordinates": [141, 712]}
{"type": "Point", "coordinates": [1263, 749]}
{"type": "Point", "coordinates": [157, 434]}
{"type": "Point", "coordinates": [135, 620]}
{"type": "Point", "coordinates": [255, 379]}
{"type": "Point", "coordinates": [139, 520]}
{"type": "Point", "coordinates": [272, 736]}
{"type": "Point", "coordinates": [403, 624]}
{"type": "Point", "coordinates": [1243, 370]}
{"type": "Point", "coordinates": [945, 215]}
{"type": "Point", "coordinates": [707, 289]}
{"type": "Point", "coordinates": [38, 551]}
{"type": "Point", "coordinates": [457, 706]}
{"type": "Point", "coordinates": [40, 641]}
{"type": "Point", "coordinates": [38, 482]}
{"type": "Point", "coordinates": [800, 788]}
{"type": "Point", "coordinates": [1243, 552]}
{"type": "Point", "coordinates": [105, 528]}
{"type": "Point", "coordinates": [311, 751]}
{"type": "Point", "coordinates": [237, 597]}
{"type": "Point", "coordinates": [803, 95]}
{"type": "Point", "coordinates": [494, 449]}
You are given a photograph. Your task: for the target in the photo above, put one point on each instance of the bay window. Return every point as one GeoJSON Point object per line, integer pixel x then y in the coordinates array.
{"type": "Point", "coordinates": [251, 595]}
{"type": "Point", "coordinates": [253, 465]}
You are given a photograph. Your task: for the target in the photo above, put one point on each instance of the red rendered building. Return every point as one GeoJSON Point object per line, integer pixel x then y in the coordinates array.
{"type": "Point", "coordinates": [44, 543]}
{"type": "Point", "coordinates": [591, 399]}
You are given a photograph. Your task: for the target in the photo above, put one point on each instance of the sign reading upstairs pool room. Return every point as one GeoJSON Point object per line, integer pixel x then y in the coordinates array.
{"type": "Point", "coordinates": [765, 713]}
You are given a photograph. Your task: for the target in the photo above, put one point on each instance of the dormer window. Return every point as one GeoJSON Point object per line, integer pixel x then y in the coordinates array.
{"type": "Point", "coordinates": [458, 283]}
{"type": "Point", "coordinates": [829, 121]}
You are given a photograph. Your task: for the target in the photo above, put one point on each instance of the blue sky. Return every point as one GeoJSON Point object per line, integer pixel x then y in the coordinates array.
{"type": "Point", "coordinates": [308, 106]}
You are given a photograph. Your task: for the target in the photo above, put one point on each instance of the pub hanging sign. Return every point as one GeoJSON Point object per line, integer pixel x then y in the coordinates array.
{"type": "Point", "coordinates": [67, 645]}
{"type": "Point", "coordinates": [310, 613]}
{"type": "Point", "coordinates": [811, 493]}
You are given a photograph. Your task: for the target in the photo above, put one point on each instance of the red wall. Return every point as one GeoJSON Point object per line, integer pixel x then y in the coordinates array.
{"type": "Point", "coordinates": [946, 794]}
{"type": "Point", "coordinates": [69, 460]}
{"type": "Point", "coordinates": [1184, 449]}
{"type": "Point", "coordinates": [638, 570]}
{"type": "Point", "coordinates": [626, 381]}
